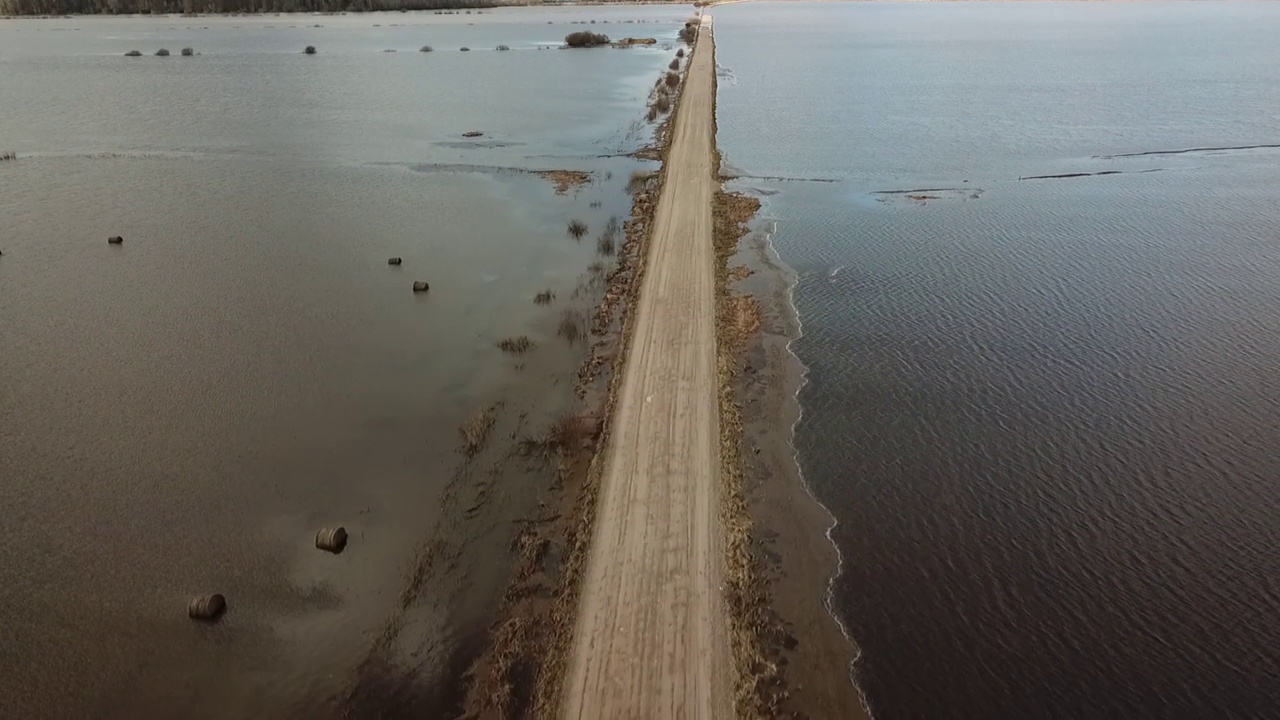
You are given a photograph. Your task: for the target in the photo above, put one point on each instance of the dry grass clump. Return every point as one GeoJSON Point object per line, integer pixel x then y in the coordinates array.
{"type": "Point", "coordinates": [662, 104]}
{"type": "Point", "coordinates": [652, 114]}
{"type": "Point", "coordinates": [475, 430]}
{"type": "Point", "coordinates": [571, 431]}
{"type": "Point", "coordinates": [608, 242]}
{"type": "Point", "coordinates": [10, 155]}
{"type": "Point", "coordinates": [577, 229]}
{"type": "Point", "coordinates": [516, 345]}
{"type": "Point", "coordinates": [571, 327]}
{"type": "Point", "coordinates": [639, 180]}
{"type": "Point", "coordinates": [544, 298]}
{"type": "Point", "coordinates": [567, 435]}
{"type": "Point", "coordinates": [503, 47]}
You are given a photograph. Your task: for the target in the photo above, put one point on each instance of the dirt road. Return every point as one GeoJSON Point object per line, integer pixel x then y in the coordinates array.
{"type": "Point", "coordinates": [651, 639]}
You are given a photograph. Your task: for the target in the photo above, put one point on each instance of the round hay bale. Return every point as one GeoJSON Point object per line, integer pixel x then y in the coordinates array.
{"type": "Point", "coordinates": [115, 240]}
{"type": "Point", "coordinates": [207, 607]}
{"type": "Point", "coordinates": [162, 53]}
{"type": "Point", "coordinates": [393, 261]}
{"type": "Point", "coordinates": [133, 53]}
{"type": "Point", "coordinates": [421, 286]}
{"type": "Point", "coordinates": [311, 50]}
{"type": "Point", "coordinates": [333, 539]}
{"type": "Point", "coordinates": [188, 52]}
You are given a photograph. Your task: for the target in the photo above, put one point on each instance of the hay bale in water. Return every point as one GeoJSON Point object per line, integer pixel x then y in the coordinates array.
{"type": "Point", "coordinates": [162, 53]}
{"type": "Point", "coordinates": [332, 539]}
{"type": "Point", "coordinates": [207, 607]}
{"type": "Point", "coordinates": [133, 53]}
{"type": "Point", "coordinates": [115, 240]}
{"type": "Point", "coordinates": [188, 52]}
{"type": "Point", "coordinates": [393, 261]}
{"type": "Point", "coordinates": [311, 50]}
{"type": "Point", "coordinates": [420, 286]}
{"type": "Point", "coordinates": [472, 133]}
{"type": "Point", "coordinates": [425, 48]}
{"type": "Point", "coordinates": [465, 49]}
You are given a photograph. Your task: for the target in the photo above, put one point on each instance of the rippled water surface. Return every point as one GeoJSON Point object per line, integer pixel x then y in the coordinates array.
{"type": "Point", "coordinates": [1045, 410]}
{"type": "Point", "coordinates": [180, 413]}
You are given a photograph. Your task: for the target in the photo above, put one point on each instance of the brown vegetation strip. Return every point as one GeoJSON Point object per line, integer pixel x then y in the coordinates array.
{"type": "Point", "coordinates": [564, 180]}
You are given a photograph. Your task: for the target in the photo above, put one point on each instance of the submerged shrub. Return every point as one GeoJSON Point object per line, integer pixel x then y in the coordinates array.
{"type": "Point", "coordinates": [570, 327]}
{"type": "Point", "coordinates": [516, 345]}
{"type": "Point", "coordinates": [585, 39]}
{"type": "Point", "coordinates": [577, 229]}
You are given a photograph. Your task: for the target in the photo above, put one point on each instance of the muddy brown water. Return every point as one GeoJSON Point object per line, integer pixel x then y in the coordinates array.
{"type": "Point", "coordinates": [180, 413]}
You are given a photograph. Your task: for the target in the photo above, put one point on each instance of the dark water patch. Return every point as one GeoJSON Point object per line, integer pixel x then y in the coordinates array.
{"type": "Point", "coordinates": [921, 195]}
{"type": "Point", "coordinates": [1187, 151]}
{"type": "Point", "coordinates": [465, 144]}
{"type": "Point", "coordinates": [1064, 176]}
{"type": "Point", "coordinates": [781, 178]}
{"type": "Point", "coordinates": [1045, 421]}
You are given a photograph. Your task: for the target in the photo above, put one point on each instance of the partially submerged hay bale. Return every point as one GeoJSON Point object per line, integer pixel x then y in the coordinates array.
{"type": "Point", "coordinates": [207, 607]}
{"type": "Point", "coordinates": [393, 261]}
{"type": "Point", "coordinates": [421, 286]}
{"type": "Point", "coordinates": [332, 539]}
{"type": "Point", "coordinates": [115, 240]}
{"type": "Point", "coordinates": [310, 50]}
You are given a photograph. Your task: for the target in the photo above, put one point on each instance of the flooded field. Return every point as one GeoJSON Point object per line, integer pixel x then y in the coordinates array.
{"type": "Point", "coordinates": [180, 413]}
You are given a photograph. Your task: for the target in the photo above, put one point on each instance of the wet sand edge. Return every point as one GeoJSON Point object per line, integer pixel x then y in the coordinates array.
{"type": "Point", "coordinates": [793, 555]}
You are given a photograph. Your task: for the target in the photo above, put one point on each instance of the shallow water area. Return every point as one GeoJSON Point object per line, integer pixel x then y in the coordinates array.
{"type": "Point", "coordinates": [182, 412]}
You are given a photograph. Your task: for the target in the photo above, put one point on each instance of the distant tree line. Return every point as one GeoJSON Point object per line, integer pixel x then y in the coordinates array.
{"type": "Point", "coordinates": [145, 7]}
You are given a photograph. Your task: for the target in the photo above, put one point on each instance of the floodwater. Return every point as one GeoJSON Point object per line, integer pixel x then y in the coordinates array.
{"type": "Point", "coordinates": [1044, 412]}
{"type": "Point", "coordinates": [179, 414]}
